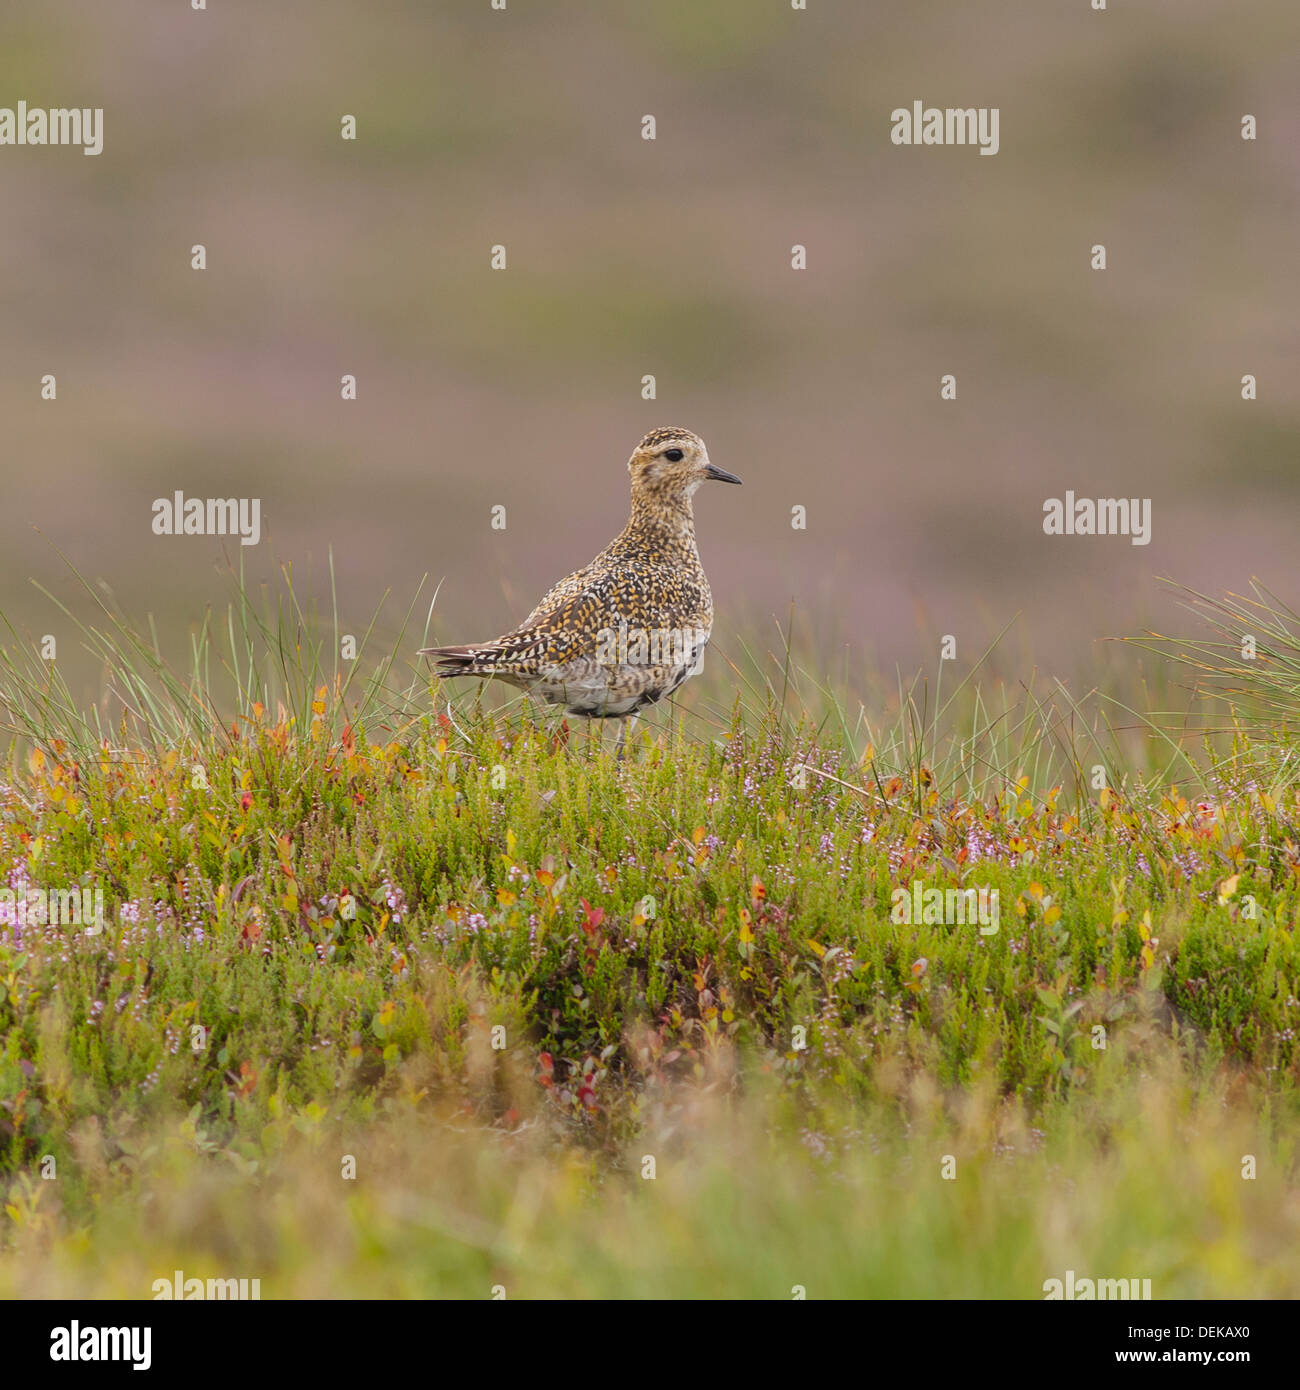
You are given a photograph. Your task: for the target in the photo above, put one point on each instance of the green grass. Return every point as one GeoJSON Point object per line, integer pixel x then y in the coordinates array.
{"type": "Point", "coordinates": [350, 913]}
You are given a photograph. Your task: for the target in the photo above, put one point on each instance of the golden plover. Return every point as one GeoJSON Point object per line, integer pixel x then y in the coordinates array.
{"type": "Point", "coordinates": [630, 627]}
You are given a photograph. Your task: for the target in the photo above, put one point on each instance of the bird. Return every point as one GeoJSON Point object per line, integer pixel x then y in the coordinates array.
{"type": "Point", "coordinates": [627, 629]}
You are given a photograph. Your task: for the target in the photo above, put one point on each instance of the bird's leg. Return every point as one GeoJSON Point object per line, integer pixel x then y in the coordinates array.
{"type": "Point", "coordinates": [622, 737]}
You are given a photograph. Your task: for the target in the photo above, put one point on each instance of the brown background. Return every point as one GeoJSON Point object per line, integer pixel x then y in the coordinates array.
{"type": "Point", "coordinates": [673, 258]}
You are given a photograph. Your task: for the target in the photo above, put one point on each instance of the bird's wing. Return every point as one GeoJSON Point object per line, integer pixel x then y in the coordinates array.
{"type": "Point", "coordinates": [567, 625]}
{"type": "Point", "coordinates": [558, 594]}
{"type": "Point", "coordinates": [482, 657]}
{"type": "Point", "coordinates": [580, 616]}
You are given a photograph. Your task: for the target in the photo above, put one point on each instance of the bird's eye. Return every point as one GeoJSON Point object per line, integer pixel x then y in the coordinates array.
{"type": "Point", "coordinates": [673, 455]}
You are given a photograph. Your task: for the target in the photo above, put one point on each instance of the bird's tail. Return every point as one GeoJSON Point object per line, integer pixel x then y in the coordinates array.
{"type": "Point", "coordinates": [464, 661]}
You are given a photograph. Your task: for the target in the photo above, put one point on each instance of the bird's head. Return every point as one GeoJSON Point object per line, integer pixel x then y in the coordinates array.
{"type": "Point", "coordinates": [672, 463]}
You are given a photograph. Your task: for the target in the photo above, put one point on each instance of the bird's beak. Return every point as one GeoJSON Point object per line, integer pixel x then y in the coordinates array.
{"type": "Point", "coordinates": [719, 475]}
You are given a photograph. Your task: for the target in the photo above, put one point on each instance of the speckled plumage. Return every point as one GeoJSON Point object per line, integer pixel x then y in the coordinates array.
{"type": "Point", "coordinates": [627, 629]}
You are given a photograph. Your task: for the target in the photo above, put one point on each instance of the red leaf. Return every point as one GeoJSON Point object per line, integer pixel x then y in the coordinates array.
{"type": "Point", "coordinates": [594, 916]}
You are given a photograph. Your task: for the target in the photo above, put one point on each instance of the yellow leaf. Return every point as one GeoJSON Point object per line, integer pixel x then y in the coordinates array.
{"type": "Point", "coordinates": [1227, 888]}
{"type": "Point", "coordinates": [818, 950]}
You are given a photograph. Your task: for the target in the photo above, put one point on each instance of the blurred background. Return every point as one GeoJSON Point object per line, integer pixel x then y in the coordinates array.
{"type": "Point", "coordinates": [627, 257]}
